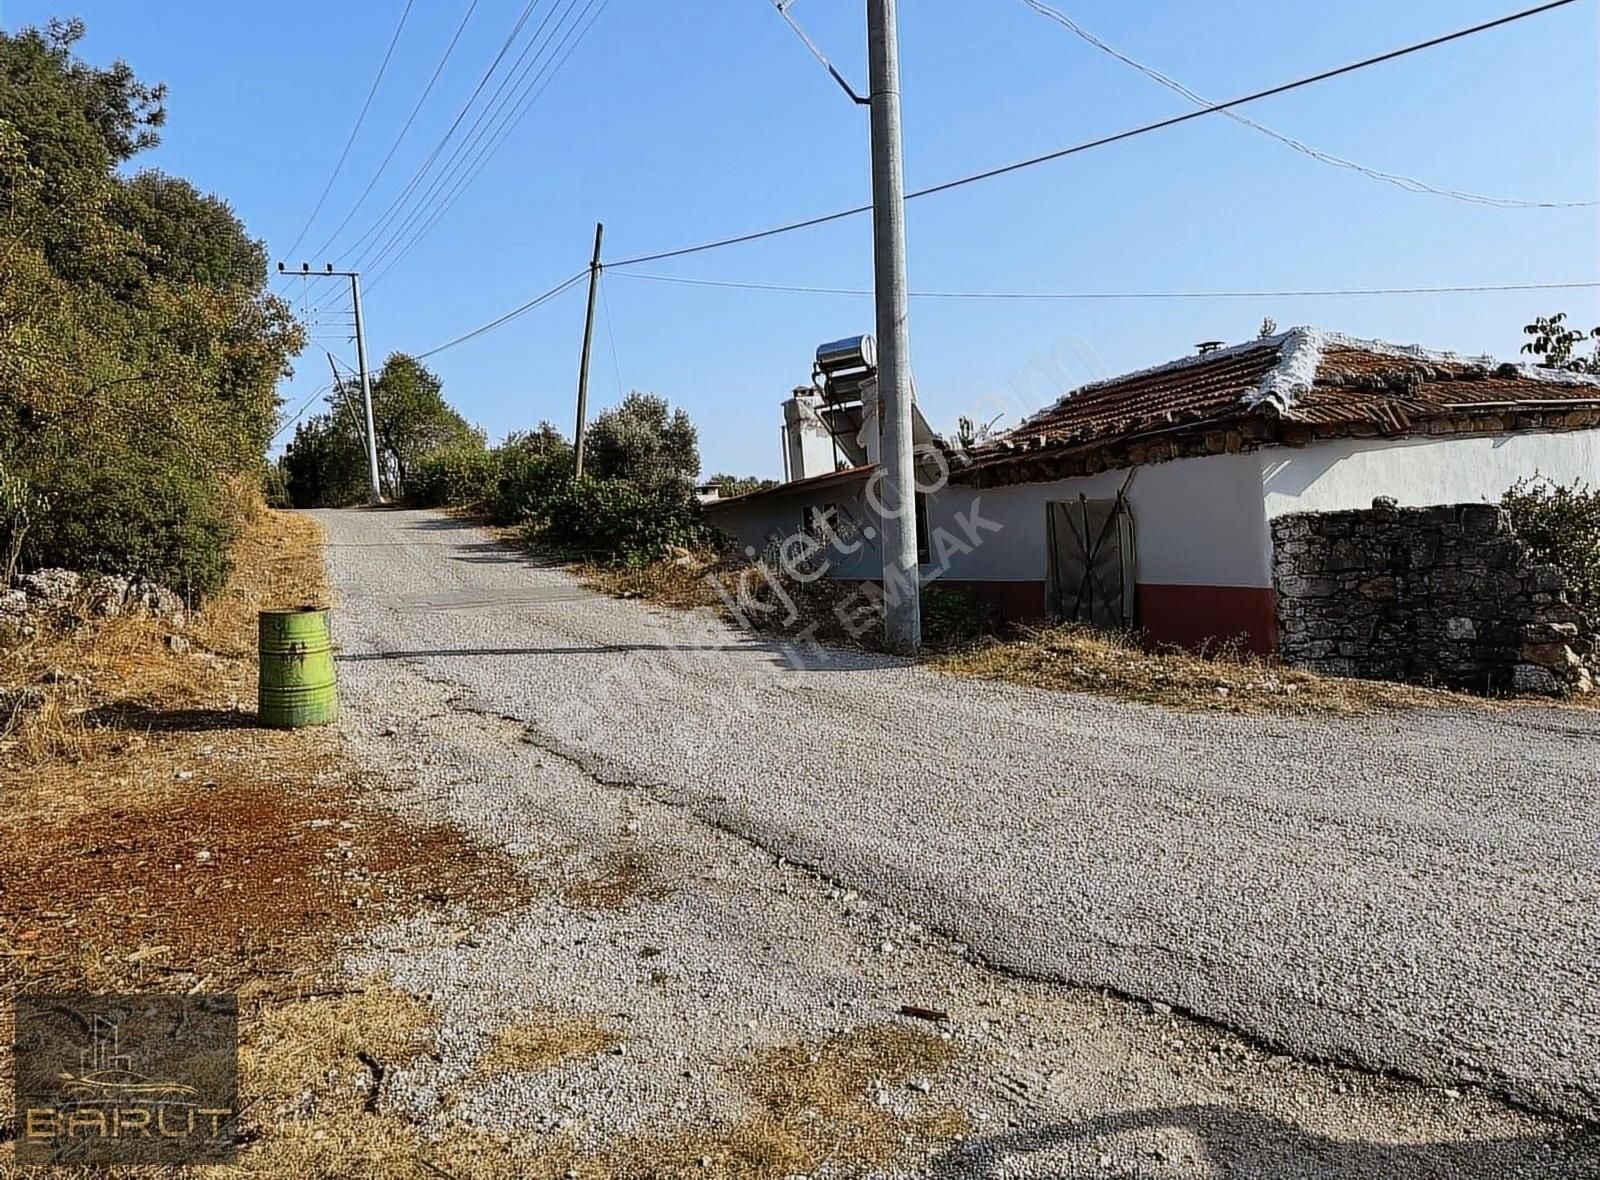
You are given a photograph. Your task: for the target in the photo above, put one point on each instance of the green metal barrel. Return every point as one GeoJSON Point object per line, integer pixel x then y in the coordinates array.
{"type": "Point", "coordinates": [297, 678]}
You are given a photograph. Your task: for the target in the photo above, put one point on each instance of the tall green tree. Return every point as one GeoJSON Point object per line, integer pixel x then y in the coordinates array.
{"type": "Point", "coordinates": [412, 419]}
{"type": "Point", "coordinates": [139, 348]}
{"type": "Point", "coordinates": [644, 440]}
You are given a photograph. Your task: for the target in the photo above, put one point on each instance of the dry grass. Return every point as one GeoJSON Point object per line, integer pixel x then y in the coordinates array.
{"type": "Point", "coordinates": [153, 836]}
{"type": "Point", "coordinates": [1068, 658]}
{"type": "Point", "coordinates": [545, 1041]}
{"type": "Point", "coordinates": [277, 566]}
{"type": "Point", "coordinates": [1076, 659]}
{"type": "Point", "coordinates": [684, 582]}
{"type": "Point", "coordinates": [316, 1047]}
{"type": "Point", "coordinates": [815, 1109]}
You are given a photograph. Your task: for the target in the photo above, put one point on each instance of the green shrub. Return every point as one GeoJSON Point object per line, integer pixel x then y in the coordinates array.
{"type": "Point", "coordinates": [952, 619]}
{"type": "Point", "coordinates": [1562, 526]}
{"type": "Point", "coordinates": [275, 486]}
{"type": "Point", "coordinates": [150, 519]}
{"type": "Point", "coordinates": [457, 477]}
{"type": "Point", "coordinates": [530, 471]}
{"type": "Point", "coordinates": [618, 522]}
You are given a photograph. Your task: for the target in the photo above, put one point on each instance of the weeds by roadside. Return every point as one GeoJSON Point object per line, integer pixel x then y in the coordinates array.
{"type": "Point", "coordinates": [962, 641]}
{"type": "Point", "coordinates": [153, 838]}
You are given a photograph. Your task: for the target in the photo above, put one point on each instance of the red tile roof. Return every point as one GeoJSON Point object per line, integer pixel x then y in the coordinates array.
{"type": "Point", "coordinates": [1320, 380]}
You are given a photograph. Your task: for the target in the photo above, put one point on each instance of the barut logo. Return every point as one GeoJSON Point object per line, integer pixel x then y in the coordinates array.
{"type": "Point", "coordinates": [126, 1079]}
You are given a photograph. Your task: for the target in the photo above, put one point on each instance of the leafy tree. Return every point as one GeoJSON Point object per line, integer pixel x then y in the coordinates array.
{"type": "Point", "coordinates": [618, 521]}
{"type": "Point", "coordinates": [139, 349]}
{"type": "Point", "coordinates": [740, 485]}
{"type": "Point", "coordinates": [412, 419]}
{"type": "Point", "coordinates": [643, 440]}
{"type": "Point", "coordinates": [325, 463]}
{"type": "Point", "coordinates": [532, 468]}
{"type": "Point", "coordinates": [1554, 344]}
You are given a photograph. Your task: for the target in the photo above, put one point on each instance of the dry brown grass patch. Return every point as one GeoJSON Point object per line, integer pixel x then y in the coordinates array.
{"type": "Point", "coordinates": [141, 809]}
{"type": "Point", "coordinates": [277, 566]}
{"type": "Point", "coordinates": [547, 1040]}
{"type": "Point", "coordinates": [816, 1107]}
{"type": "Point", "coordinates": [682, 583]}
{"type": "Point", "coordinates": [317, 1045]}
{"type": "Point", "coordinates": [1075, 659]}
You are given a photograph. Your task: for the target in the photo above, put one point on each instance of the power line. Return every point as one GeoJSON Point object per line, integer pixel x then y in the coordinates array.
{"type": "Point", "coordinates": [411, 118]}
{"type": "Point", "coordinates": [1408, 183]}
{"type": "Point", "coordinates": [1097, 295]}
{"type": "Point", "coordinates": [388, 214]}
{"type": "Point", "coordinates": [509, 316]}
{"type": "Point", "coordinates": [354, 131]}
{"type": "Point", "coordinates": [1106, 140]}
{"type": "Point", "coordinates": [405, 219]}
{"type": "Point", "coordinates": [300, 413]}
{"type": "Point", "coordinates": [488, 143]}
{"type": "Point", "coordinates": [611, 331]}
{"type": "Point", "coordinates": [1062, 153]}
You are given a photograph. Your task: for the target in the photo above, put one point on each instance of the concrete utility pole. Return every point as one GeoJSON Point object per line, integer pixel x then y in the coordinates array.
{"type": "Point", "coordinates": [374, 488]}
{"type": "Point", "coordinates": [588, 339]}
{"type": "Point", "coordinates": [902, 620]}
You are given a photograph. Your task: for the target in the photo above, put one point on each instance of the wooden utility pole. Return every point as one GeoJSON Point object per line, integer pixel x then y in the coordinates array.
{"type": "Point", "coordinates": [588, 340]}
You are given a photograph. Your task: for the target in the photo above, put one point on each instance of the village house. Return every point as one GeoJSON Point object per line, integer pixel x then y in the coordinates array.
{"type": "Point", "coordinates": [1147, 500]}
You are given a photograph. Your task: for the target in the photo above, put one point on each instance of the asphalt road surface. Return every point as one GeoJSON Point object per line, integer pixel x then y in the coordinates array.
{"type": "Point", "coordinates": [1410, 891]}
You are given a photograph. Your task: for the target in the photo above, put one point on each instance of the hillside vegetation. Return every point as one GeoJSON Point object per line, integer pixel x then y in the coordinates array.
{"type": "Point", "coordinates": [139, 346]}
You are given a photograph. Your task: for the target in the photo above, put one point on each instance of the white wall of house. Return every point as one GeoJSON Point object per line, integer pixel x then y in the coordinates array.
{"type": "Point", "coordinates": [1349, 473]}
{"type": "Point", "coordinates": [1199, 522]}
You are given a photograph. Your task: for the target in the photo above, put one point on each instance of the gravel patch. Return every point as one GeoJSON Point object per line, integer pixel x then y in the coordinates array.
{"type": "Point", "coordinates": [1405, 891]}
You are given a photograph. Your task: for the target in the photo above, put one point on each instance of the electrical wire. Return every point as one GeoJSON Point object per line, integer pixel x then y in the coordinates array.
{"type": "Point", "coordinates": [508, 317]}
{"type": "Point", "coordinates": [469, 138]}
{"type": "Point", "coordinates": [1094, 295]}
{"type": "Point", "coordinates": [300, 413]}
{"type": "Point", "coordinates": [398, 139]}
{"type": "Point", "coordinates": [1408, 183]}
{"type": "Point", "coordinates": [394, 206]}
{"type": "Point", "coordinates": [1062, 153]}
{"type": "Point", "coordinates": [484, 145]}
{"type": "Point", "coordinates": [354, 131]}
{"type": "Point", "coordinates": [611, 331]}
{"type": "Point", "coordinates": [1106, 140]}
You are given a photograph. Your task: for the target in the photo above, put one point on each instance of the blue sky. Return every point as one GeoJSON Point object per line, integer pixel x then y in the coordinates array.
{"type": "Point", "coordinates": [675, 123]}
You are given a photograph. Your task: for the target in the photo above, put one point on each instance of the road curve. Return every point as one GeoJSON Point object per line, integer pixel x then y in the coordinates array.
{"type": "Point", "coordinates": [1418, 892]}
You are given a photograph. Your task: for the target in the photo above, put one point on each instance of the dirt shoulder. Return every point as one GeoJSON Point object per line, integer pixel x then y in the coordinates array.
{"type": "Point", "coordinates": [153, 838]}
{"type": "Point", "coordinates": [1061, 658]}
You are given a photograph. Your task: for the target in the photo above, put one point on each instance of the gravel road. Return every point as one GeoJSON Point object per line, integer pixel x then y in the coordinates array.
{"type": "Point", "coordinates": [1417, 892]}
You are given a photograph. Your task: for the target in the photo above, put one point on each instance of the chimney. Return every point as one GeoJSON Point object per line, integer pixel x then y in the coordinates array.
{"type": "Point", "coordinates": [1206, 346]}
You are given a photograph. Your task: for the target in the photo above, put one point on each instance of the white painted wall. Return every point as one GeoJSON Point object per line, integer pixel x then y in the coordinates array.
{"type": "Point", "coordinates": [1199, 522]}
{"type": "Point", "coordinates": [809, 444]}
{"type": "Point", "coordinates": [1350, 473]}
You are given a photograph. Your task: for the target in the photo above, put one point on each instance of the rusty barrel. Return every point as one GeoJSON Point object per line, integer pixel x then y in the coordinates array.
{"type": "Point", "coordinates": [297, 684]}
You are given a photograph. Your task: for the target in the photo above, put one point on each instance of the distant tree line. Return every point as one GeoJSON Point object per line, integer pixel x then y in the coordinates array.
{"type": "Point", "coordinates": [139, 348]}
{"type": "Point", "coordinates": [634, 501]}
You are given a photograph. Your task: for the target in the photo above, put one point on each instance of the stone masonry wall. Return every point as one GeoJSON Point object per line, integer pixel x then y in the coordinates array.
{"type": "Point", "coordinates": [1448, 596]}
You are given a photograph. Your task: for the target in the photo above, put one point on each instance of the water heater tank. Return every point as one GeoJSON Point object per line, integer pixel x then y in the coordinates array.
{"type": "Point", "coordinates": [851, 353]}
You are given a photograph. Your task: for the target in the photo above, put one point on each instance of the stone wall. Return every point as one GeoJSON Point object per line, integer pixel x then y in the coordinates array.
{"type": "Point", "coordinates": [1447, 595]}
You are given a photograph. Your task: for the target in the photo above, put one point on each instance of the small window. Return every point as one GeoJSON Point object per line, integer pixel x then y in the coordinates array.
{"type": "Point", "coordinates": [924, 553]}
{"type": "Point", "coordinates": [822, 522]}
